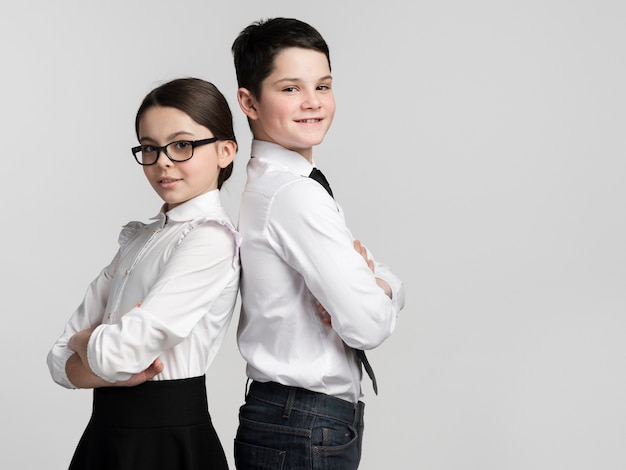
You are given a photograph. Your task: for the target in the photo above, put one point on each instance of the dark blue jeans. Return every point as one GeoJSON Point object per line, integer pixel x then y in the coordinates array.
{"type": "Point", "coordinates": [291, 428]}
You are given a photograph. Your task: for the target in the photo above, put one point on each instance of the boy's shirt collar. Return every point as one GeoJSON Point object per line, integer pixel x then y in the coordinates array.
{"type": "Point", "coordinates": [279, 154]}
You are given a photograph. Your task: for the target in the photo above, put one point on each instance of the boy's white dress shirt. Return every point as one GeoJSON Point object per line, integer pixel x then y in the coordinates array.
{"type": "Point", "coordinates": [296, 251]}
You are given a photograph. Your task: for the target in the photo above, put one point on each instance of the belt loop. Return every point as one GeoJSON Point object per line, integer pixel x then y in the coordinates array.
{"type": "Point", "coordinates": [291, 398]}
{"type": "Point", "coordinates": [247, 389]}
{"type": "Point", "coordinates": [358, 414]}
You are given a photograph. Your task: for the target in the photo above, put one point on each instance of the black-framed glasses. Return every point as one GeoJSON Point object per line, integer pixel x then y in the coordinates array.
{"type": "Point", "coordinates": [178, 151]}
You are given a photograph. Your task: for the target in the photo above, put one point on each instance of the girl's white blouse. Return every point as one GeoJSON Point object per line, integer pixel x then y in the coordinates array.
{"type": "Point", "coordinates": [169, 292]}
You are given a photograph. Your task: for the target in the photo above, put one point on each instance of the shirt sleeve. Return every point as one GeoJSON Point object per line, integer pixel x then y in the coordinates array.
{"type": "Point", "coordinates": [87, 315]}
{"type": "Point", "coordinates": [307, 229]}
{"type": "Point", "coordinates": [191, 281]}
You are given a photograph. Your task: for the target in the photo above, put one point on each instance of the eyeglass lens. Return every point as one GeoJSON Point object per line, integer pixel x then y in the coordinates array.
{"type": "Point", "coordinates": [177, 151]}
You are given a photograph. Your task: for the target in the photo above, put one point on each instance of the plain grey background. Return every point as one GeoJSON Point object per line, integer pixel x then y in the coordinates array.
{"type": "Point", "coordinates": [478, 149]}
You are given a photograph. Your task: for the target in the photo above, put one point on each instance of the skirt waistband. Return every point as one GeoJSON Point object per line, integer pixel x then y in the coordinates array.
{"type": "Point", "coordinates": [152, 404]}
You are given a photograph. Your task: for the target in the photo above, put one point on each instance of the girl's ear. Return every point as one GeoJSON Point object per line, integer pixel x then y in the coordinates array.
{"type": "Point", "coordinates": [226, 151]}
{"type": "Point", "coordinates": [247, 103]}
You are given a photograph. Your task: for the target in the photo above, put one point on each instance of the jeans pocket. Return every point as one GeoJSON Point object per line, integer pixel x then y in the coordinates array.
{"type": "Point", "coordinates": [328, 432]}
{"type": "Point", "coordinates": [336, 445]}
{"type": "Point", "coordinates": [248, 456]}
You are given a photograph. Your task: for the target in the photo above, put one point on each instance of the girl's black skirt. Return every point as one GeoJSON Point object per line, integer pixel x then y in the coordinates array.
{"type": "Point", "coordinates": [155, 425]}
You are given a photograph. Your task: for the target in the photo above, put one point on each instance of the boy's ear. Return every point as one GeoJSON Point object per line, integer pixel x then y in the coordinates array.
{"type": "Point", "coordinates": [247, 103]}
{"type": "Point", "coordinates": [226, 153]}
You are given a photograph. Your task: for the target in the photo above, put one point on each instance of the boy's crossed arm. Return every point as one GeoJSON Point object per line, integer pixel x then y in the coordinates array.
{"type": "Point", "coordinates": [358, 246]}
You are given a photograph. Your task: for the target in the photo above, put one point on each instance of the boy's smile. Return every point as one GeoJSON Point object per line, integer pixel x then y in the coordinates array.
{"type": "Point", "coordinates": [296, 106]}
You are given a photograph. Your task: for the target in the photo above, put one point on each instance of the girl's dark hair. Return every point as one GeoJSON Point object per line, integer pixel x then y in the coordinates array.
{"type": "Point", "coordinates": [202, 102]}
{"type": "Point", "coordinates": [256, 46]}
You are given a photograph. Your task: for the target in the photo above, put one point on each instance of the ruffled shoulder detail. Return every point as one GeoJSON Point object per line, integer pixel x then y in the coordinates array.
{"type": "Point", "coordinates": [226, 223]}
{"type": "Point", "coordinates": [129, 232]}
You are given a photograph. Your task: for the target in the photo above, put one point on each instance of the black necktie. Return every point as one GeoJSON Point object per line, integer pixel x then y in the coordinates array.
{"type": "Point", "coordinates": [321, 179]}
{"type": "Point", "coordinates": [318, 176]}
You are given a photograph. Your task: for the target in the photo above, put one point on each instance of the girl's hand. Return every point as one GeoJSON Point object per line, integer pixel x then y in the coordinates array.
{"type": "Point", "coordinates": [82, 376]}
{"type": "Point", "coordinates": [154, 369]}
{"type": "Point", "coordinates": [78, 343]}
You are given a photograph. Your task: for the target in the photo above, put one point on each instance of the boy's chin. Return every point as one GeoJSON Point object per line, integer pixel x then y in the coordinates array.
{"type": "Point", "coordinates": [310, 142]}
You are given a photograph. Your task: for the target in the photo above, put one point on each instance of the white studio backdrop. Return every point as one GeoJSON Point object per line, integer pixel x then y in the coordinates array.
{"type": "Point", "coordinates": [478, 149]}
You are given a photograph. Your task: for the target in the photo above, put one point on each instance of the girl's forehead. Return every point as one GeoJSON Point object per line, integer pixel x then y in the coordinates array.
{"type": "Point", "coordinates": [160, 122]}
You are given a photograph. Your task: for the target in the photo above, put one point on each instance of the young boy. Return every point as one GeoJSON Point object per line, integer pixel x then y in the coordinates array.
{"type": "Point", "coordinates": [311, 295]}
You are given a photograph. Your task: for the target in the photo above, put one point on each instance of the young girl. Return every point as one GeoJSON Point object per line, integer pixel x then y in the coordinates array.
{"type": "Point", "coordinates": [153, 320]}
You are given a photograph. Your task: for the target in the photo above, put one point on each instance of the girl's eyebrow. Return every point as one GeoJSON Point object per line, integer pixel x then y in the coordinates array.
{"type": "Point", "coordinates": [170, 137]}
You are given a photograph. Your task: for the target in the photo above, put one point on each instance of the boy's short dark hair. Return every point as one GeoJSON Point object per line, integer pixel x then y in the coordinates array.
{"type": "Point", "coordinates": [258, 44]}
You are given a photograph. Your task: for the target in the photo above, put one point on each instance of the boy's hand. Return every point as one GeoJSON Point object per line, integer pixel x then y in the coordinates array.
{"type": "Point", "coordinates": [358, 246]}
{"type": "Point", "coordinates": [370, 264]}
{"type": "Point", "coordinates": [360, 249]}
{"type": "Point", "coordinates": [326, 320]}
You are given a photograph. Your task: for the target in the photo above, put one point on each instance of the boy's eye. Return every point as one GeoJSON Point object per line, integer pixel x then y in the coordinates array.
{"type": "Point", "coordinates": [290, 89]}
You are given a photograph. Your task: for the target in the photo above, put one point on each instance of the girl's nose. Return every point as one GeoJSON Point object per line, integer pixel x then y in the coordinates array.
{"type": "Point", "coordinates": [163, 161]}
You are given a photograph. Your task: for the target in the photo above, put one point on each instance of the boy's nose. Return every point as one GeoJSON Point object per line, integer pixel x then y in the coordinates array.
{"type": "Point", "coordinates": [311, 101]}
